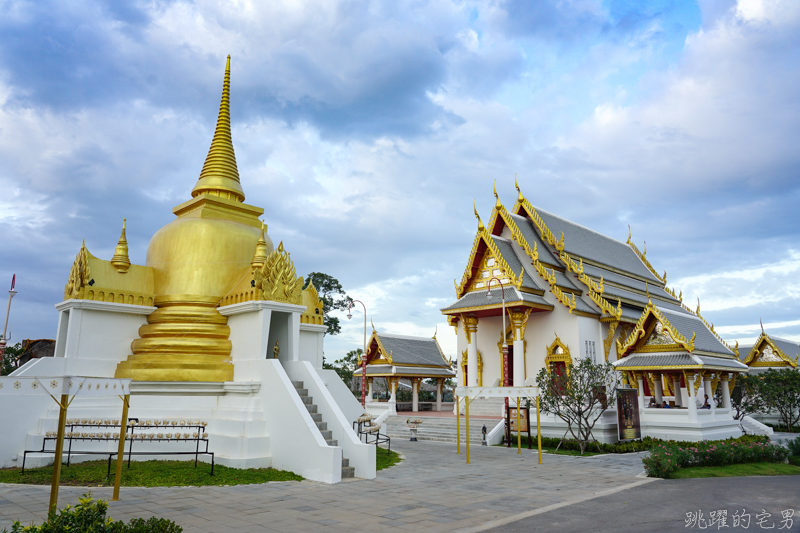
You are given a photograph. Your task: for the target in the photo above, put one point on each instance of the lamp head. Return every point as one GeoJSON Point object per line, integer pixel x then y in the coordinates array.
{"type": "Point", "coordinates": [349, 315]}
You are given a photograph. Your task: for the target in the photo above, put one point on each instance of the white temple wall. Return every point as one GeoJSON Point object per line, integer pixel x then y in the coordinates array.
{"type": "Point", "coordinates": [488, 337]}
{"type": "Point", "coordinates": [541, 332]}
{"type": "Point", "coordinates": [98, 330]}
{"type": "Point", "coordinates": [311, 339]}
{"type": "Point", "coordinates": [589, 331]}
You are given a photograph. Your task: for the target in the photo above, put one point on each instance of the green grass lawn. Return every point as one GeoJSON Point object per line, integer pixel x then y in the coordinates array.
{"type": "Point", "coordinates": [147, 474]}
{"type": "Point", "coordinates": [385, 460]}
{"type": "Point", "coordinates": [745, 469]}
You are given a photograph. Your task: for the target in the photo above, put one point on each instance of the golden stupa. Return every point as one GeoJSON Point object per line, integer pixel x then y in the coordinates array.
{"type": "Point", "coordinates": [215, 253]}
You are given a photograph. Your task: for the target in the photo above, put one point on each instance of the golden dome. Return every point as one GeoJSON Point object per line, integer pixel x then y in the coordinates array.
{"type": "Point", "coordinates": [197, 260]}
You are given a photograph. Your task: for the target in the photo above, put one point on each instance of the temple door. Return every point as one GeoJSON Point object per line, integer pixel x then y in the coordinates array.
{"type": "Point", "coordinates": [509, 379]}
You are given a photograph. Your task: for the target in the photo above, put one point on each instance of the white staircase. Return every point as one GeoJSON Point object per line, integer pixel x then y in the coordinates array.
{"type": "Point", "coordinates": [751, 426]}
{"type": "Point", "coordinates": [440, 429]}
{"type": "Point", "coordinates": [484, 407]}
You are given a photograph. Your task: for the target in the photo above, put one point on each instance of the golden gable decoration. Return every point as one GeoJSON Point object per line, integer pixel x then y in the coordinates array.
{"type": "Point", "coordinates": [276, 279]}
{"type": "Point", "coordinates": [79, 275]}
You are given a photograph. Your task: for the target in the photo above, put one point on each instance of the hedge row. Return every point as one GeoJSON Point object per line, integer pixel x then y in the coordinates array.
{"type": "Point", "coordinates": [89, 516]}
{"type": "Point", "coordinates": [665, 459]}
{"type": "Point", "coordinates": [642, 445]}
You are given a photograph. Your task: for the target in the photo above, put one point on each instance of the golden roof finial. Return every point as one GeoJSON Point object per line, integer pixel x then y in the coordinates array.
{"type": "Point", "coordinates": [496, 198]}
{"type": "Point", "coordinates": [220, 176]}
{"type": "Point", "coordinates": [698, 307]}
{"type": "Point", "coordinates": [519, 192]}
{"type": "Point", "coordinates": [629, 233]}
{"type": "Point", "coordinates": [436, 331]}
{"type": "Point", "coordinates": [120, 261]}
{"type": "Point", "coordinates": [371, 323]}
{"type": "Point", "coordinates": [647, 290]}
{"type": "Point", "coordinates": [480, 224]}
{"type": "Point", "coordinates": [260, 256]}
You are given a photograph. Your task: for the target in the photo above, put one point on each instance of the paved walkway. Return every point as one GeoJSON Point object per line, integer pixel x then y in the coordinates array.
{"type": "Point", "coordinates": [433, 489]}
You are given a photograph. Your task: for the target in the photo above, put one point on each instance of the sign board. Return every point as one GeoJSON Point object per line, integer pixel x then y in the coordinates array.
{"type": "Point", "coordinates": [628, 414]}
{"type": "Point", "coordinates": [523, 419]}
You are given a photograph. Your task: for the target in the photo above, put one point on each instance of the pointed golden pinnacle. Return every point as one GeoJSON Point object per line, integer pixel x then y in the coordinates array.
{"type": "Point", "coordinates": [120, 261]}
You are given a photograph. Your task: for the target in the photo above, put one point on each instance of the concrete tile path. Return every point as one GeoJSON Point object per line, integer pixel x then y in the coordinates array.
{"type": "Point", "coordinates": [432, 489]}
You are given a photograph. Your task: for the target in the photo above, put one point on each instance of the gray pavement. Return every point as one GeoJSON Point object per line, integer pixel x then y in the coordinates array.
{"type": "Point", "coordinates": [432, 490]}
{"type": "Point", "coordinates": [663, 507]}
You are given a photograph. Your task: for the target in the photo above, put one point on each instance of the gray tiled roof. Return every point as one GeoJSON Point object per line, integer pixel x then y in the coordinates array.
{"type": "Point", "coordinates": [580, 305]}
{"type": "Point", "coordinates": [743, 351]}
{"type": "Point", "coordinates": [413, 350]}
{"type": "Point", "coordinates": [595, 246]}
{"type": "Point", "coordinates": [510, 257]}
{"type": "Point", "coordinates": [677, 359]}
{"type": "Point", "coordinates": [611, 294]}
{"type": "Point", "coordinates": [531, 236]}
{"type": "Point", "coordinates": [373, 370]}
{"type": "Point", "coordinates": [627, 281]}
{"type": "Point", "coordinates": [722, 362]}
{"type": "Point", "coordinates": [656, 359]}
{"type": "Point", "coordinates": [790, 348]}
{"type": "Point", "coordinates": [687, 324]}
{"type": "Point", "coordinates": [478, 299]}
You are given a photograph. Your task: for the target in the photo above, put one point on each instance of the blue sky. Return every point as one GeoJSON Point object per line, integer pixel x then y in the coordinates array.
{"type": "Point", "coordinates": [366, 129]}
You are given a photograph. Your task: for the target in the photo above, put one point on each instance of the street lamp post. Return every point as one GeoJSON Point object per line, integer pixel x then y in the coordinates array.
{"type": "Point", "coordinates": [506, 381]}
{"type": "Point", "coordinates": [3, 339]}
{"type": "Point", "coordinates": [363, 353]}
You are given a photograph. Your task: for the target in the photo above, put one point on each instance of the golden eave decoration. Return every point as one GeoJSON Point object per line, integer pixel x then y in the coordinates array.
{"type": "Point", "coordinates": [557, 352]}
{"type": "Point", "coordinates": [752, 358]}
{"type": "Point", "coordinates": [643, 257]}
{"type": "Point", "coordinates": [645, 327]}
{"type": "Point", "coordinates": [79, 275]}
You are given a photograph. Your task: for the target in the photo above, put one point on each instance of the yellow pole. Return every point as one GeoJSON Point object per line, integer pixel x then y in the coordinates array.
{"type": "Point", "coordinates": [123, 431]}
{"type": "Point", "coordinates": [62, 422]}
{"type": "Point", "coordinates": [458, 426]}
{"type": "Point", "coordinates": [519, 431]}
{"type": "Point", "coordinates": [467, 413]}
{"type": "Point", "coordinates": [538, 430]}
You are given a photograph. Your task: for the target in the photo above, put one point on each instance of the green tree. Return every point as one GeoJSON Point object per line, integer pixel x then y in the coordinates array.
{"type": "Point", "coordinates": [10, 357]}
{"type": "Point", "coordinates": [780, 390]}
{"type": "Point", "coordinates": [332, 296]}
{"type": "Point", "coordinates": [579, 397]}
{"type": "Point", "coordinates": [746, 397]}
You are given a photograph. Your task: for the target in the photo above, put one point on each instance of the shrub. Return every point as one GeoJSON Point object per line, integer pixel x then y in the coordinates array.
{"type": "Point", "coordinates": [641, 445]}
{"type": "Point", "coordinates": [664, 459]}
{"type": "Point", "coordinates": [89, 516]}
{"type": "Point", "coordinates": [794, 446]}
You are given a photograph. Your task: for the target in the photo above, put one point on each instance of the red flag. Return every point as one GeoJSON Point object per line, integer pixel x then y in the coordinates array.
{"type": "Point", "coordinates": [13, 280]}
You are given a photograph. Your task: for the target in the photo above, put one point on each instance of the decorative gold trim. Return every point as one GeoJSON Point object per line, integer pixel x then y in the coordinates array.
{"type": "Point", "coordinates": [470, 324]}
{"type": "Point", "coordinates": [752, 360]}
{"type": "Point", "coordinates": [276, 280]}
{"type": "Point", "coordinates": [464, 368]}
{"type": "Point", "coordinates": [79, 275]}
{"type": "Point", "coordinates": [609, 340]}
{"type": "Point", "coordinates": [734, 349]}
{"type": "Point", "coordinates": [518, 303]}
{"type": "Point", "coordinates": [553, 357]}
{"type": "Point", "coordinates": [639, 332]}
{"type": "Point", "coordinates": [471, 270]}
{"type": "Point", "coordinates": [662, 279]}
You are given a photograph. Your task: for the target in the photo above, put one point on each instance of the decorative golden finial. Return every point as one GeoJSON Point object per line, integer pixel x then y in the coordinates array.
{"type": "Point", "coordinates": [645, 249]}
{"type": "Point", "coordinates": [680, 296]}
{"type": "Point", "coordinates": [665, 277]}
{"type": "Point", "coordinates": [220, 176]}
{"type": "Point", "coordinates": [629, 233]}
{"type": "Point", "coordinates": [435, 331]}
{"type": "Point", "coordinates": [120, 261]}
{"type": "Point", "coordinates": [496, 198]}
{"type": "Point", "coordinates": [480, 224]}
{"type": "Point", "coordinates": [519, 192]}
{"type": "Point", "coordinates": [260, 256]}
{"type": "Point", "coordinates": [372, 324]}
{"type": "Point", "coordinates": [698, 307]}
{"type": "Point", "coordinates": [759, 321]}
{"type": "Point", "coordinates": [647, 290]}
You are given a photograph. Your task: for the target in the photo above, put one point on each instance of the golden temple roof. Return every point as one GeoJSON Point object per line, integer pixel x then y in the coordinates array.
{"type": "Point", "coordinates": [220, 175]}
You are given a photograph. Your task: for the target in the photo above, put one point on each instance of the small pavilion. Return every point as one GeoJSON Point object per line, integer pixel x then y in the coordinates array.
{"type": "Point", "coordinates": [394, 357]}
{"type": "Point", "coordinates": [668, 352]}
{"type": "Point", "coordinates": [770, 352]}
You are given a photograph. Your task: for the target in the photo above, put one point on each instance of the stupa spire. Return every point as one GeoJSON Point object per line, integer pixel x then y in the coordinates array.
{"type": "Point", "coordinates": [220, 176]}
{"type": "Point", "coordinates": [121, 261]}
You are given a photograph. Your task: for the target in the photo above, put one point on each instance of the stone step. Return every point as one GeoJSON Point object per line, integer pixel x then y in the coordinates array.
{"type": "Point", "coordinates": [302, 392]}
{"type": "Point", "coordinates": [316, 417]}
{"type": "Point", "coordinates": [348, 472]}
{"type": "Point", "coordinates": [297, 384]}
{"type": "Point", "coordinates": [332, 442]}
{"type": "Point", "coordinates": [308, 400]}
{"type": "Point", "coordinates": [327, 434]}
{"type": "Point", "coordinates": [345, 462]}
{"type": "Point", "coordinates": [311, 408]}
{"type": "Point", "coordinates": [322, 426]}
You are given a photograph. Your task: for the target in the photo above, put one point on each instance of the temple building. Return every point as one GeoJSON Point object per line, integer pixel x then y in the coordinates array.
{"type": "Point", "coordinates": [570, 292]}
{"type": "Point", "coordinates": [399, 357]}
{"type": "Point", "coordinates": [216, 325]}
